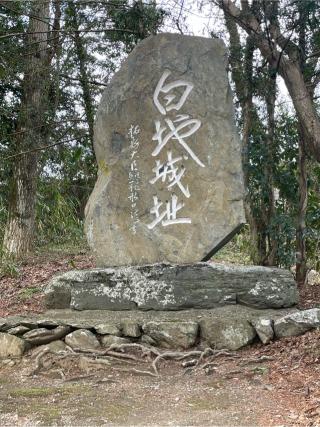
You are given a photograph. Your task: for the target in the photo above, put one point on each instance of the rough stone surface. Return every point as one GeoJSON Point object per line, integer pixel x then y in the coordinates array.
{"type": "Point", "coordinates": [172, 334]}
{"type": "Point", "coordinates": [61, 295]}
{"type": "Point", "coordinates": [83, 339]}
{"type": "Point", "coordinates": [41, 336]}
{"type": "Point", "coordinates": [18, 330]}
{"type": "Point", "coordinates": [208, 320]}
{"type": "Point", "coordinates": [197, 110]}
{"type": "Point", "coordinates": [108, 340]}
{"type": "Point", "coordinates": [297, 323]}
{"type": "Point", "coordinates": [264, 329]}
{"type": "Point", "coordinates": [145, 339]}
{"type": "Point", "coordinates": [108, 329]}
{"type": "Point", "coordinates": [130, 328]}
{"type": "Point", "coordinates": [174, 287]}
{"type": "Point", "coordinates": [54, 346]}
{"type": "Point", "coordinates": [230, 334]}
{"type": "Point", "coordinates": [11, 346]}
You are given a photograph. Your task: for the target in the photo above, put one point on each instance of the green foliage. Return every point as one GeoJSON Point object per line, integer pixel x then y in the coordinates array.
{"type": "Point", "coordinates": [27, 293]}
{"type": "Point", "coordinates": [58, 216]}
{"type": "Point", "coordinates": [9, 267]}
{"type": "Point", "coordinates": [137, 21]}
{"type": "Point", "coordinates": [237, 251]}
{"type": "Point", "coordinates": [68, 166]}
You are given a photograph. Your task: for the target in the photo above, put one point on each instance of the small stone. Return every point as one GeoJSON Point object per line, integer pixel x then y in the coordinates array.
{"type": "Point", "coordinates": [174, 334]}
{"type": "Point", "coordinates": [108, 340]}
{"type": "Point", "coordinates": [108, 329]}
{"type": "Point", "coordinates": [41, 336]}
{"type": "Point", "coordinates": [40, 332]}
{"type": "Point", "coordinates": [231, 334]}
{"type": "Point", "coordinates": [297, 323]}
{"type": "Point", "coordinates": [47, 322]}
{"type": "Point", "coordinates": [82, 339]}
{"type": "Point", "coordinates": [264, 329]}
{"type": "Point", "coordinates": [130, 328]}
{"type": "Point", "coordinates": [18, 330]}
{"type": "Point", "coordinates": [54, 346]}
{"type": "Point", "coordinates": [313, 277]}
{"type": "Point", "coordinates": [11, 345]}
{"type": "Point", "coordinates": [146, 339]}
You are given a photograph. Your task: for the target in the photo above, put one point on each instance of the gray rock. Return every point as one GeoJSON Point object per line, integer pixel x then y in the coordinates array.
{"type": "Point", "coordinates": [54, 346]}
{"type": "Point", "coordinates": [130, 328]}
{"type": "Point", "coordinates": [165, 91]}
{"type": "Point", "coordinates": [41, 336]}
{"type": "Point", "coordinates": [227, 334]}
{"type": "Point", "coordinates": [228, 327]}
{"type": "Point", "coordinates": [35, 333]}
{"type": "Point", "coordinates": [175, 287]}
{"type": "Point", "coordinates": [48, 323]}
{"type": "Point", "coordinates": [18, 330]}
{"type": "Point", "coordinates": [172, 334]}
{"type": "Point", "coordinates": [82, 339]}
{"type": "Point", "coordinates": [11, 346]}
{"type": "Point", "coordinates": [2, 325]}
{"type": "Point", "coordinates": [297, 323]}
{"type": "Point", "coordinates": [108, 340]}
{"type": "Point", "coordinates": [145, 339]}
{"type": "Point", "coordinates": [108, 329]}
{"type": "Point", "coordinates": [15, 321]}
{"type": "Point", "coordinates": [61, 296]}
{"type": "Point", "coordinates": [264, 329]}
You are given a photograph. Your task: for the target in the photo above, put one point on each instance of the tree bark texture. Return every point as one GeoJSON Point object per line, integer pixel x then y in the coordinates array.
{"type": "Point", "coordinates": [284, 56]}
{"type": "Point", "coordinates": [83, 73]}
{"type": "Point", "coordinates": [263, 245]}
{"type": "Point", "coordinates": [20, 226]}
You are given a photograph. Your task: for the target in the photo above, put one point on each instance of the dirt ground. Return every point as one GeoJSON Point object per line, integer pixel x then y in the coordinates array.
{"type": "Point", "coordinates": [272, 385]}
{"type": "Point", "coordinates": [262, 386]}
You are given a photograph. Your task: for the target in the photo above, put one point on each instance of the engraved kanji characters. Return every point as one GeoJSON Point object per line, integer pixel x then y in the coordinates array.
{"type": "Point", "coordinates": [167, 97]}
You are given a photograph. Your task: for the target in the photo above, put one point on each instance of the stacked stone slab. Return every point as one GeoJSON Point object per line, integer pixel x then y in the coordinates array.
{"type": "Point", "coordinates": [172, 287]}
{"type": "Point", "coordinates": [230, 327]}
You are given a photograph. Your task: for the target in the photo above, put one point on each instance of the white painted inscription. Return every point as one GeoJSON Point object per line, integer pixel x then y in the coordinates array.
{"type": "Point", "coordinates": [176, 129]}
{"type": "Point", "coordinates": [134, 176]}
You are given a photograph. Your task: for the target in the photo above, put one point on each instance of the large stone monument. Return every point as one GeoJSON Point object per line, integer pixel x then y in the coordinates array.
{"type": "Point", "coordinates": [170, 185]}
{"type": "Point", "coordinates": [169, 193]}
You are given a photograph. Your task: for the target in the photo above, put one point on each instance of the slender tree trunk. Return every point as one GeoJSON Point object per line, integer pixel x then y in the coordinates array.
{"type": "Point", "coordinates": [271, 258]}
{"type": "Point", "coordinates": [301, 259]}
{"type": "Point", "coordinates": [275, 51]}
{"type": "Point", "coordinates": [82, 62]}
{"type": "Point", "coordinates": [242, 71]}
{"type": "Point", "coordinates": [258, 247]}
{"type": "Point", "coordinates": [301, 255]}
{"type": "Point", "coordinates": [20, 227]}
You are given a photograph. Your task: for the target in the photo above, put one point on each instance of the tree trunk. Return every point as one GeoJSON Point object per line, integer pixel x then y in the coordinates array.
{"type": "Point", "coordinates": [301, 259]}
{"type": "Point", "coordinates": [84, 81]}
{"type": "Point", "coordinates": [20, 227]}
{"type": "Point", "coordinates": [242, 73]}
{"type": "Point", "coordinates": [271, 258]}
{"type": "Point", "coordinates": [275, 51]}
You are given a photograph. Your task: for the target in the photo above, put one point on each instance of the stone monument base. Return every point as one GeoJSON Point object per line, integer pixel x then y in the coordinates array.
{"type": "Point", "coordinates": [230, 327]}
{"type": "Point", "coordinates": [172, 287]}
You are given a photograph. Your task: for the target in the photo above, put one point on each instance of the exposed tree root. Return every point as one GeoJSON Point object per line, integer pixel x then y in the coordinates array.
{"type": "Point", "coordinates": [119, 353]}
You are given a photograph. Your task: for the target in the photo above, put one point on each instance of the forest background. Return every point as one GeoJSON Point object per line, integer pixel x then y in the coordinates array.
{"type": "Point", "coordinates": [57, 56]}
